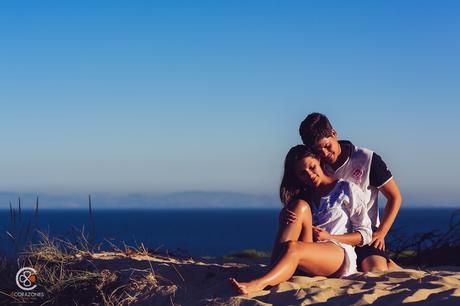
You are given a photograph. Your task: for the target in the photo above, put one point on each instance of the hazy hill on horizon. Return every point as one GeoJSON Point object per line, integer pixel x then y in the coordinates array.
{"type": "Point", "coordinates": [172, 200]}
{"type": "Point", "coordinates": [186, 199]}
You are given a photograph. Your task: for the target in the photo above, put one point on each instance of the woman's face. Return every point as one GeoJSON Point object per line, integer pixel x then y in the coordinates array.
{"type": "Point", "coordinates": [308, 171]}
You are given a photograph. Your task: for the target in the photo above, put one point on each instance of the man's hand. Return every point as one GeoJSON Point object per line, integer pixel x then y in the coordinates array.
{"type": "Point", "coordinates": [378, 240]}
{"type": "Point", "coordinates": [287, 216]}
{"type": "Point", "coordinates": [320, 235]}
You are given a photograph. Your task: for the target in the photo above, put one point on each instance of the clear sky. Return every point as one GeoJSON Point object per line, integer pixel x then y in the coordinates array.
{"type": "Point", "coordinates": [155, 96]}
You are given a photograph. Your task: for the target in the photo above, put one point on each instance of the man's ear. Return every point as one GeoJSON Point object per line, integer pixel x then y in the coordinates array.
{"type": "Point", "coordinates": [334, 134]}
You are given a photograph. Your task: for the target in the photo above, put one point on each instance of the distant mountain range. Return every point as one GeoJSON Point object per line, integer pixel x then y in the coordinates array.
{"type": "Point", "coordinates": [191, 199]}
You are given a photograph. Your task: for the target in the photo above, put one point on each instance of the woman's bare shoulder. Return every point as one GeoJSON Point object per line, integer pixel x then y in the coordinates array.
{"type": "Point", "coordinates": [299, 203]}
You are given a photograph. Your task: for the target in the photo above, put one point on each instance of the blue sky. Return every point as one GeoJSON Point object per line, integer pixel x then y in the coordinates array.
{"type": "Point", "coordinates": [155, 96]}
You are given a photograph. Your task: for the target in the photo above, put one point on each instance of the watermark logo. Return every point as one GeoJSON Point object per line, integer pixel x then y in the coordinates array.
{"type": "Point", "coordinates": [26, 278]}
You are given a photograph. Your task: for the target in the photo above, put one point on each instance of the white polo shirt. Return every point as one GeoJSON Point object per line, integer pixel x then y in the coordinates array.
{"type": "Point", "coordinates": [366, 169]}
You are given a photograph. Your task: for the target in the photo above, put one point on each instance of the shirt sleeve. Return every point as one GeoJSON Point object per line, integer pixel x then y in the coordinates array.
{"type": "Point", "coordinates": [379, 173]}
{"type": "Point", "coordinates": [360, 221]}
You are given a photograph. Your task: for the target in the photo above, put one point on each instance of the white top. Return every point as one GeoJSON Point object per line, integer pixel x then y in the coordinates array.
{"type": "Point", "coordinates": [357, 169]}
{"type": "Point", "coordinates": [343, 211]}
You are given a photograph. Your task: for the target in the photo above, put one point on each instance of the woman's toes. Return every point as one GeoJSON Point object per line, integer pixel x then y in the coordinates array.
{"type": "Point", "coordinates": [240, 288]}
{"type": "Point", "coordinates": [233, 282]}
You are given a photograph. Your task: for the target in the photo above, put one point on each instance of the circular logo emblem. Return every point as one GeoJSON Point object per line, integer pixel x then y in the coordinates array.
{"type": "Point", "coordinates": [26, 278]}
{"type": "Point", "coordinates": [357, 174]}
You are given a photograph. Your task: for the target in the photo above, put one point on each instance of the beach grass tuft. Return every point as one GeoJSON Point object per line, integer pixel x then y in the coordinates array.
{"type": "Point", "coordinates": [68, 273]}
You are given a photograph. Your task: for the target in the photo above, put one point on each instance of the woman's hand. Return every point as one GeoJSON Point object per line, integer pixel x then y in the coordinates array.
{"type": "Point", "coordinates": [378, 240]}
{"type": "Point", "coordinates": [320, 235]}
{"type": "Point", "coordinates": [286, 216]}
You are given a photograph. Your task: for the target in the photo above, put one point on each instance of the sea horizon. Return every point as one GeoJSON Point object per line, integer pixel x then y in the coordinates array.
{"type": "Point", "coordinates": [31, 209]}
{"type": "Point", "coordinates": [200, 231]}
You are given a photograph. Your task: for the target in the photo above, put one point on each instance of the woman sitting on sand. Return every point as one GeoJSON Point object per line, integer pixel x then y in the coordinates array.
{"type": "Point", "coordinates": [331, 211]}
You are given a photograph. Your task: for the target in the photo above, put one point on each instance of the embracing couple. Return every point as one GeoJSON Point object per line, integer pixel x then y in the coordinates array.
{"type": "Point", "coordinates": [330, 223]}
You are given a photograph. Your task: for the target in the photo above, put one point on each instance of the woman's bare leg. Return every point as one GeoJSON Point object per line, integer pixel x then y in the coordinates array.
{"type": "Point", "coordinates": [322, 259]}
{"type": "Point", "coordinates": [301, 229]}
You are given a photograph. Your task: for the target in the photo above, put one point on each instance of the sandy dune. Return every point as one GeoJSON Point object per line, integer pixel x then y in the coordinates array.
{"type": "Point", "coordinates": [204, 282]}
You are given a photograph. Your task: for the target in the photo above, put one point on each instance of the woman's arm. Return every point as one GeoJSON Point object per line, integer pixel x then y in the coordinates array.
{"type": "Point", "coordinates": [360, 222]}
{"type": "Point", "coordinates": [354, 238]}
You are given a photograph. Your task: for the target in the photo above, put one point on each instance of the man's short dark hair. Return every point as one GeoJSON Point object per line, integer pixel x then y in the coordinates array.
{"type": "Point", "coordinates": [315, 127]}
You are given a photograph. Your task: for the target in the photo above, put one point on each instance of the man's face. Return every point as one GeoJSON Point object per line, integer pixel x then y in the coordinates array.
{"type": "Point", "coordinates": [328, 148]}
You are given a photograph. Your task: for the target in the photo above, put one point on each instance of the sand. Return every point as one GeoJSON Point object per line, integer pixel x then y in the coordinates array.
{"type": "Point", "coordinates": [204, 282]}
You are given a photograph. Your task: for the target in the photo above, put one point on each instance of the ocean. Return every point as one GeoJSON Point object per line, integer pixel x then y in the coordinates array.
{"type": "Point", "coordinates": [197, 232]}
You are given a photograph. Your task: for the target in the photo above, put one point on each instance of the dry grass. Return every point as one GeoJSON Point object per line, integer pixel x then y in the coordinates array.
{"type": "Point", "coordinates": [432, 248]}
{"type": "Point", "coordinates": [68, 276]}
{"type": "Point", "coordinates": [67, 273]}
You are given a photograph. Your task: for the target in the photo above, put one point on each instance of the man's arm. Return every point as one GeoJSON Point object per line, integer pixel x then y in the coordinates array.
{"type": "Point", "coordinates": [394, 199]}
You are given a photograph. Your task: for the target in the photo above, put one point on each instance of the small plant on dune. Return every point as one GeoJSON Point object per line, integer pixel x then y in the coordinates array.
{"type": "Point", "coordinates": [20, 230]}
{"type": "Point", "coordinates": [427, 248]}
{"type": "Point", "coordinates": [249, 253]}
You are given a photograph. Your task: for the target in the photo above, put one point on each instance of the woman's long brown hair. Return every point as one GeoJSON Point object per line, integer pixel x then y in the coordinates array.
{"type": "Point", "coordinates": [291, 187]}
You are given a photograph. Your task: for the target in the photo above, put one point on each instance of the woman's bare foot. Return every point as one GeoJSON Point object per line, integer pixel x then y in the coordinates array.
{"type": "Point", "coordinates": [245, 288]}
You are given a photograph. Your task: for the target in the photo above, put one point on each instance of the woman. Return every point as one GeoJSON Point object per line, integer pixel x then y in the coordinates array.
{"type": "Point", "coordinates": [334, 207]}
